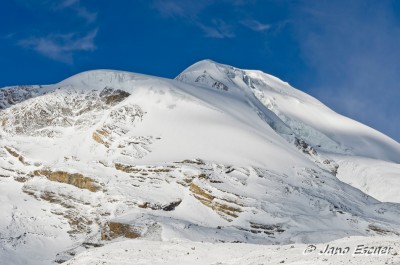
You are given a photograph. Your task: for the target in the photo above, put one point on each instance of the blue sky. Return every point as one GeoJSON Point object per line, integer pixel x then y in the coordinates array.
{"type": "Point", "coordinates": [345, 53]}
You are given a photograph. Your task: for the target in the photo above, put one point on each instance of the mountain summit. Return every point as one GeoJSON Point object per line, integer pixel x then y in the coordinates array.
{"type": "Point", "coordinates": [219, 154]}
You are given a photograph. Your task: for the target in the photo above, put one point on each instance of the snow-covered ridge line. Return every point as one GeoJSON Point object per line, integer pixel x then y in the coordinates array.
{"type": "Point", "coordinates": [103, 77]}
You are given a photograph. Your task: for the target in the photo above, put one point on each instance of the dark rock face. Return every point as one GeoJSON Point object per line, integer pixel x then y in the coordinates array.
{"type": "Point", "coordinates": [113, 97]}
{"type": "Point", "coordinates": [12, 95]}
{"type": "Point", "coordinates": [60, 108]}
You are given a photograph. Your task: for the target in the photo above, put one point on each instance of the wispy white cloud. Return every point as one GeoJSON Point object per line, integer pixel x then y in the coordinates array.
{"type": "Point", "coordinates": [68, 3]}
{"type": "Point", "coordinates": [71, 6]}
{"type": "Point", "coordinates": [191, 10]}
{"type": "Point", "coordinates": [76, 6]}
{"type": "Point", "coordinates": [84, 13]}
{"type": "Point", "coordinates": [255, 25]}
{"type": "Point", "coordinates": [219, 29]}
{"type": "Point", "coordinates": [181, 8]}
{"type": "Point", "coordinates": [61, 47]}
{"type": "Point", "coordinates": [168, 8]}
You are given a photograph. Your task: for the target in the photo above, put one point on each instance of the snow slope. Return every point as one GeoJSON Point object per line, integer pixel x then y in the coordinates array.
{"type": "Point", "coordinates": [367, 159]}
{"type": "Point", "coordinates": [217, 155]}
{"type": "Point", "coordinates": [306, 116]}
{"type": "Point", "coordinates": [377, 178]}
{"type": "Point", "coordinates": [181, 252]}
{"type": "Point", "coordinates": [30, 232]}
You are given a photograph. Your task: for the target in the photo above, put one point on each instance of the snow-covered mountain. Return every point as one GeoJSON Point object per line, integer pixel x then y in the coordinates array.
{"type": "Point", "coordinates": [219, 154]}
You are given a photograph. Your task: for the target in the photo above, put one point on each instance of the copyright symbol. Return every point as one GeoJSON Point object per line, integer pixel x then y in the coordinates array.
{"type": "Point", "coordinates": [310, 249]}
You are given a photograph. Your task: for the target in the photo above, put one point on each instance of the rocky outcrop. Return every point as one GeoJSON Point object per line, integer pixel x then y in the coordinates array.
{"type": "Point", "coordinates": [126, 168]}
{"type": "Point", "coordinates": [156, 206]}
{"type": "Point", "coordinates": [74, 179]}
{"type": "Point", "coordinates": [13, 95]}
{"type": "Point", "coordinates": [134, 169]}
{"type": "Point", "coordinates": [114, 134]}
{"type": "Point", "coordinates": [64, 107]}
{"type": "Point", "coordinates": [113, 97]}
{"type": "Point", "coordinates": [226, 209]}
{"type": "Point", "coordinates": [100, 136]}
{"type": "Point", "coordinates": [16, 155]}
{"type": "Point", "coordinates": [114, 230]}
{"type": "Point", "coordinates": [323, 162]}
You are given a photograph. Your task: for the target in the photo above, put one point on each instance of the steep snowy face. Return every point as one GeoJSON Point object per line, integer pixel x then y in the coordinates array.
{"type": "Point", "coordinates": [219, 155]}
{"type": "Point", "coordinates": [353, 146]}
{"type": "Point", "coordinates": [308, 118]}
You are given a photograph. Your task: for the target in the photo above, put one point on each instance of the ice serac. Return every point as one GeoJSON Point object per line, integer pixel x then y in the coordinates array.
{"type": "Point", "coordinates": [219, 154]}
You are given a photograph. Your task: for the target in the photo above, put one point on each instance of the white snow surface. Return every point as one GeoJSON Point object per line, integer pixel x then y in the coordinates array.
{"type": "Point", "coordinates": [304, 114]}
{"type": "Point", "coordinates": [219, 154]}
{"type": "Point", "coordinates": [183, 252]}
{"type": "Point", "coordinates": [377, 178]}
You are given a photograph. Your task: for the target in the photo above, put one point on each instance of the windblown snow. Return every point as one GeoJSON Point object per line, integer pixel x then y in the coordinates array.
{"type": "Point", "coordinates": [218, 155]}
